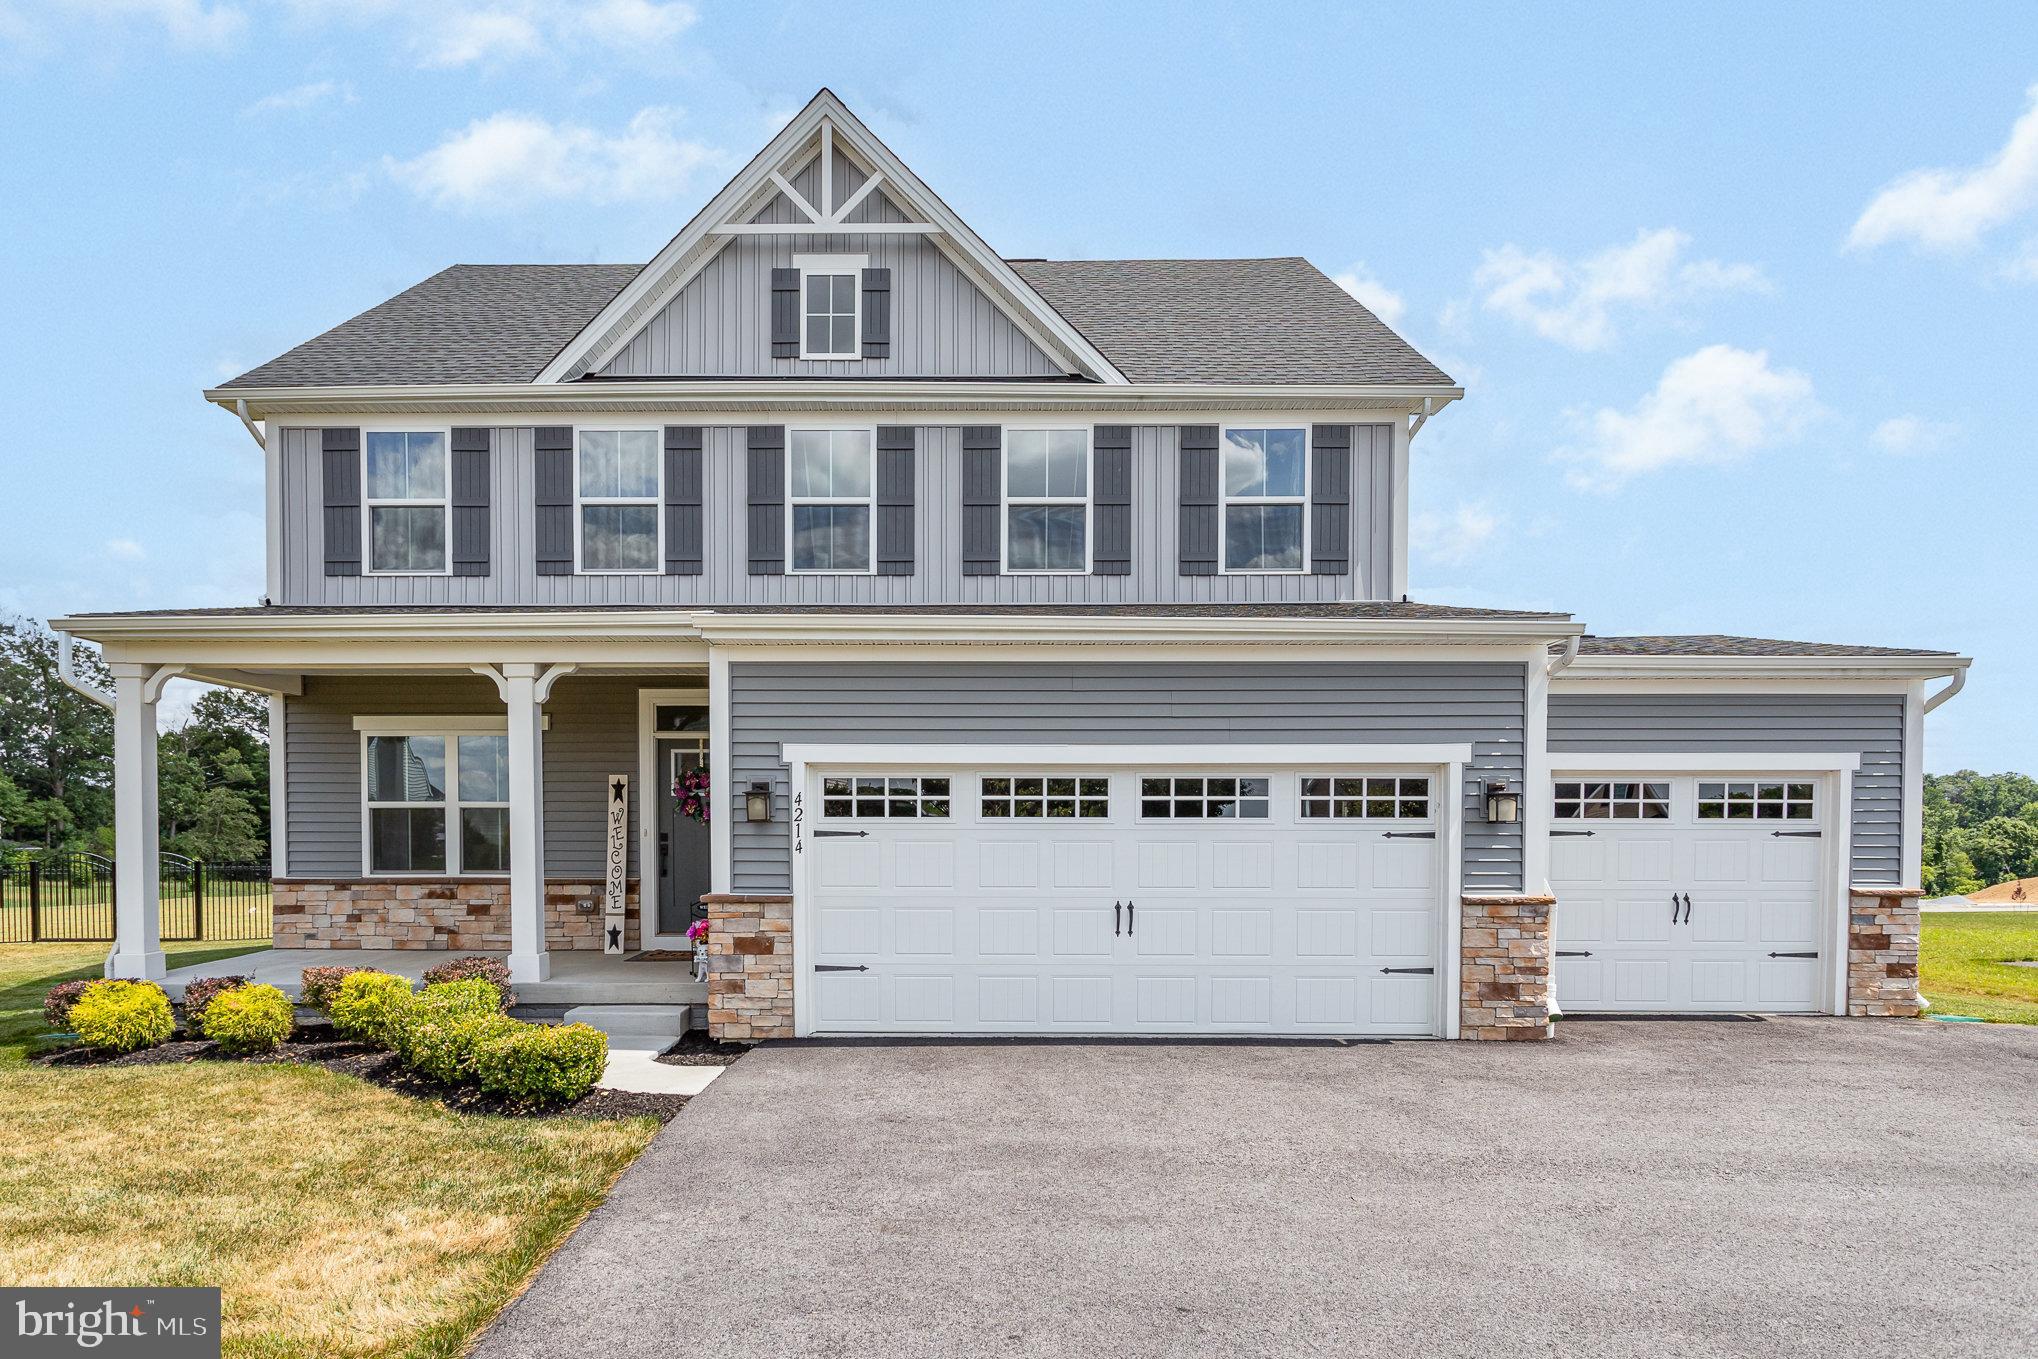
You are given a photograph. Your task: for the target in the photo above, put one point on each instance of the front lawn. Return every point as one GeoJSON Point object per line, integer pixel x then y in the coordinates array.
{"type": "Point", "coordinates": [341, 1219]}
{"type": "Point", "coordinates": [1963, 964]}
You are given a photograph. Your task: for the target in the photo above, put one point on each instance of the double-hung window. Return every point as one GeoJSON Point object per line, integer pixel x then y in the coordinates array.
{"type": "Point", "coordinates": [438, 803]}
{"type": "Point", "coordinates": [1047, 500]}
{"type": "Point", "coordinates": [1265, 498]}
{"type": "Point", "coordinates": [830, 306]}
{"type": "Point", "coordinates": [616, 482]}
{"type": "Point", "coordinates": [831, 499]}
{"type": "Point", "coordinates": [406, 502]}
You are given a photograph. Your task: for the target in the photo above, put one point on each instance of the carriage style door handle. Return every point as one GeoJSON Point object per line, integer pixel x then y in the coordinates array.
{"type": "Point", "coordinates": [1128, 920]}
{"type": "Point", "coordinates": [1115, 924]}
{"type": "Point", "coordinates": [1687, 908]}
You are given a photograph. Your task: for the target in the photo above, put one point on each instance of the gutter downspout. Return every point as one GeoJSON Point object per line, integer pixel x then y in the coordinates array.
{"type": "Point", "coordinates": [67, 672]}
{"type": "Point", "coordinates": [1959, 683]}
{"type": "Point", "coordinates": [241, 409]}
{"type": "Point", "coordinates": [1569, 655]}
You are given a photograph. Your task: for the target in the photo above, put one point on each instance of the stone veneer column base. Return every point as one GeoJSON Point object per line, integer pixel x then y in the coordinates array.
{"type": "Point", "coordinates": [434, 913]}
{"type": "Point", "coordinates": [1882, 952]}
{"type": "Point", "coordinates": [750, 967]}
{"type": "Point", "coordinates": [1504, 967]}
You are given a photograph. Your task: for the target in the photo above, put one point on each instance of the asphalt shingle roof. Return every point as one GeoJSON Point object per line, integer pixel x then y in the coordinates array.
{"type": "Point", "coordinates": [1717, 644]}
{"type": "Point", "coordinates": [1276, 321]}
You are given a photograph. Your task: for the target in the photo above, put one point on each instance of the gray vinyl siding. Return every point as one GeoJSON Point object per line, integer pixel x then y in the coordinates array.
{"type": "Point", "coordinates": [1061, 703]}
{"type": "Point", "coordinates": [1871, 725]}
{"type": "Point", "coordinates": [937, 576]}
{"type": "Point", "coordinates": [941, 324]}
{"type": "Point", "coordinates": [593, 734]}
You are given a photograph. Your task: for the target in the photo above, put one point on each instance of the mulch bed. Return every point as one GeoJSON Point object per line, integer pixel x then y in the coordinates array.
{"type": "Point", "coordinates": [317, 1045]}
{"type": "Point", "coordinates": [697, 1049]}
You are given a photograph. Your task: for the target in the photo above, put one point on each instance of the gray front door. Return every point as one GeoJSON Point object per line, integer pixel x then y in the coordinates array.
{"type": "Point", "coordinates": [683, 865]}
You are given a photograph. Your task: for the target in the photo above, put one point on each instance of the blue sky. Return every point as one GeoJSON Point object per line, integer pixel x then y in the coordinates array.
{"type": "Point", "coordinates": [1745, 299]}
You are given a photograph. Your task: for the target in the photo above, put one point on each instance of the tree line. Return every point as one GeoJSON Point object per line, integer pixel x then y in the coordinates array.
{"type": "Point", "coordinates": [1980, 829]}
{"type": "Point", "coordinates": [56, 761]}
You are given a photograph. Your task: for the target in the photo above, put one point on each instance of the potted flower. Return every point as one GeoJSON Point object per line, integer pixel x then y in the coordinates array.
{"type": "Point", "coordinates": [697, 935]}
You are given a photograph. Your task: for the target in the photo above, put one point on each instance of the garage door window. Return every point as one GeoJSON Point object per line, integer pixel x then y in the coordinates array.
{"type": "Point", "coordinates": [1006, 797]}
{"type": "Point", "coordinates": [1595, 801]}
{"type": "Point", "coordinates": [1197, 798]}
{"type": "Point", "coordinates": [1756, 801]}
{"type": "Point", "coordinates": [864, 796]}
{"type": "Point", "coordinates": [1384, 799]}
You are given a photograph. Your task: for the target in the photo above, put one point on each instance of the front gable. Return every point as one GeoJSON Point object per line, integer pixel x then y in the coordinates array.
{"type": "Point", "coordinates": [826, 186]}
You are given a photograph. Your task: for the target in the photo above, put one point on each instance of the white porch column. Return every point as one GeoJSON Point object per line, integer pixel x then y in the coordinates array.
{"type": "Point", "coordinates": [528, 961]}
{"type": "Point", "coordinates": [137, 916]}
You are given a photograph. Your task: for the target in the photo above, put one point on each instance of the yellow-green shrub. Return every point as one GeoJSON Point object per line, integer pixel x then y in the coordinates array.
{"type": "Point", "coordinates": [248, 1019]}
{"type": "Point", "coordinates": [369, 1007]}
{"type": "Point", "coordinates": [123, 1016]}
{"type": "Point", "coordinates": [538, 1064]}
{"type": "Point", "coordinates": [439, 1031]}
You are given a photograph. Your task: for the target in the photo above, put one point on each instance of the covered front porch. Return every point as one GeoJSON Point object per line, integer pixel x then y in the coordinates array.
{"type": "Point", "coordinates": [578, 977]}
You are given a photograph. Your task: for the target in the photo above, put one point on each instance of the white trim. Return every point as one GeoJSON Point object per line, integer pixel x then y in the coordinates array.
{"type": "Point", "coordinates": [1451, 918]}
{"type": "Point", "coordinates": [450, 803]}
{"type": "Point", "coordinates": [869, 501]}
{"type": "Point", "coordinates": [1088, 499]}
{"type": "Point", "coordinates": [651, 792]}
{"type": "Point", "coordinates": [834, 266]}
{"type": "Point", "coordinates": [1589, 669]}
{"type": "Point", "coordinates": [1840, 868]}
{"type": "Point", "coordinates": [1912, 840]}
{"type": "Point", "coordinates": [1397, 489]}
{"type": "Point", "coordinates": [1225, 500]}
{"type": "Point", "coordinates": [279, 787]}
{"type": "Point", "coordinates": [272, 514]}
{"type": "Point", "coordinates": [721, 830]}
{"type": "Point", "coordinates": [1725, 763]}
{"type": "Point", "coordinates": [1289, 757]}
{"type": "Point", "coordinates": [656, 501]}
{"type": "Point", "coordinates": [1536, 776]}
{"type": "Point", "coordinates": [443, 501]}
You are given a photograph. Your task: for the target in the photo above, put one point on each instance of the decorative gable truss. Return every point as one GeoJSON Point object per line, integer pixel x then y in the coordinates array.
{"type": "Point", "coordinates": [824, 176]}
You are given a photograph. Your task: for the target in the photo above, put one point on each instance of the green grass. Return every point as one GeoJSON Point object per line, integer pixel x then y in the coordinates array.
{"type": "Point", "coordinates": [1963, 964]}
{"type": "Point", "coordinates": [340, 1220]}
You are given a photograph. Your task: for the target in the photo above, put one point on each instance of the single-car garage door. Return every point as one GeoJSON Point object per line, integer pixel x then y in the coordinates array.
{"type": "Point", "coordinates": [1682, 893]}
{"type": "Point", "coordinates": [1131, 900]}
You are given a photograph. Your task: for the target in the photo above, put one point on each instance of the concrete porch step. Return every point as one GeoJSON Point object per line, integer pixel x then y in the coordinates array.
{"type": "Point", "coordinates": [637, 1021]}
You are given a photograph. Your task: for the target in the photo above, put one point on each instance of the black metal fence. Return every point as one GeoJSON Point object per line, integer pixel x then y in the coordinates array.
{"type": "Point", "coordinates": [68, 897]}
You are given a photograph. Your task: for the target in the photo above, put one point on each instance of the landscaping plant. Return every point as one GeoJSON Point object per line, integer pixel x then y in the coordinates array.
{"type": "Point", "coordinates": [473, 967]}
{"type": "Point", "coordinates": [58, 1000]}
{"type": "Point", "coordinates": [442, 1026]}
{"type": "Point", "coordinates": [321, 984]}
{"type": "Point", "coordinates": [369, 1007]}
{"type": "Point", "coordinates": [123, 1016]}
{"type": "Point", "coordinates": [542, 1064]}
{"type": "Point", "coordinates": [249, 1019]}
{"type": "Point", "coordinates": [201, 993]}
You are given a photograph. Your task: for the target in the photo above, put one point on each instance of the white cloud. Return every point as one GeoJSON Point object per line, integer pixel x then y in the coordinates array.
{"type": "Point", "coordinates": [1945, 209]}
{"type": "Point", "coordinates": [442, 34]}
{"type": "Point", "coordinates": [1718, 405]}
{"type": "Point", "coordinates": [1575, 302]}
{"type": "Point", "coordinates": [1374, 295]}
{"type": "Point", "coordinates": [2023, 266]}
{"type": "Point", "coordinates": [515, 158]}
{"type": "Point", "coordinates": [1909, 435]}
{"type": "Point", "coordinates": [469, 36]}
{"type": "Point", "coordinates": [1456, 538]}
{"type": "Point", "coordinates": [300, 97]}
{"type": "Point", "coordinates": [186, 23]}
{"type": "Point", "coordinates": [124, 550]}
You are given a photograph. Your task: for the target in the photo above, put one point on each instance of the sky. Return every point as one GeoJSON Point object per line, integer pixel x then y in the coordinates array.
{"type": "Point", "coordinates": [1744, 298]}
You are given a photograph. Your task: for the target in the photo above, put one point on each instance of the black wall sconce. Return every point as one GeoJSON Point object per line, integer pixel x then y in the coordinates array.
{"type": "Point", "coordinates": [757, 802]}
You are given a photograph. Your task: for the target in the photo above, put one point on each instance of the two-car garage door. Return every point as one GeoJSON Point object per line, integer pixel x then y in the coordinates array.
{"type": "Point", "coordinates": [1123, 900]}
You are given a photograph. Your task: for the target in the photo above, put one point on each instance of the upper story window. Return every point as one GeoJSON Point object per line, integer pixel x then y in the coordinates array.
{"type": "Point", "coordinates": [830, 306]}
{"type": "Point", "coordinates": [1265, 498]}
{"type": "Point", "coordinates": [1047, 500]}
{"type": "Point", "coordinates": [406, 502]}
{"type": "Point", "coordinates": [831, 498]}
{"type": "Point", "coordinates": [618, 496]}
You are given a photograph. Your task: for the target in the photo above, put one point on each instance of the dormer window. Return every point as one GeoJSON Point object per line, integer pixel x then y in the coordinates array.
{"type": "Point", "coordinates": [830, 306]}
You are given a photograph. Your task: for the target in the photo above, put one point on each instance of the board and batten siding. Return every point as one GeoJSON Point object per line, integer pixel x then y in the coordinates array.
{"type": "Point", "coordinates": [593, 734]}
{"type": "Point", "coordinates": [937, 576]}
{"type": "Point", "coordinates": [1161, 704]}
{"type": "Point", "coordinates": [1870, 725]}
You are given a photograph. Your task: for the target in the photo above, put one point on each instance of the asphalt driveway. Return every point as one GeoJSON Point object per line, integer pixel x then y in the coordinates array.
{"type": "Point", "coordinates": [1772, 1188]}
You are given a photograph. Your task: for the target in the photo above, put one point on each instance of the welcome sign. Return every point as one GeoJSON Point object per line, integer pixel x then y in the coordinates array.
{"type": "Point", "coordinates": [616, 863]}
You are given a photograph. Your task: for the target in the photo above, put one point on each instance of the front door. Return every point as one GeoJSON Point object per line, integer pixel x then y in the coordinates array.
{"type": "Point", "coordinates": [683, 848]}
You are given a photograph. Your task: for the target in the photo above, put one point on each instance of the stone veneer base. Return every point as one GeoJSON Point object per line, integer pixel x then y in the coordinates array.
{"type": "Point", "coordinates": [1882, 953]}
{"type": "Point", "coordinates": [750, 967]}
{"type": "Point", "coordinates": [1504, 967]}
{"type": "Point", "coordinates": [434, 913]}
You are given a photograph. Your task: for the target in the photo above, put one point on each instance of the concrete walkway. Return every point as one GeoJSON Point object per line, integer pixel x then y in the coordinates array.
{"type": "Point", "coordinates": [1793, 1187]}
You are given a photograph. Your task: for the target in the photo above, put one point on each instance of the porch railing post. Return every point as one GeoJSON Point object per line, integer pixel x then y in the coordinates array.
{"type": "Point", "coordinates": [197, 899]}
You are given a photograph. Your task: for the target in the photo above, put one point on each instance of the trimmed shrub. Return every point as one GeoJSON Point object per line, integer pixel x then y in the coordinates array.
{"type": "Point", "coordinates": [369, 1007]}
{"type": "Point", "coordinates": [471, 967]}
{"type": "Point", "coordinates": [58, 1000]}
{"type": "Point", "coordinates": [123, 1016]}
{"type": "Point", "coordinates": [247, 1019]}
{"type": "Point", "coordinates": [443, 1048]}
{"type": "Point", "coordinates": [541, 1064]}
{"type": "Point", "coordinates": [320, 984]}
{"type": "Point", "coordinates": [425, 1041]}
{"type": "Point", "coordinates": [201, 993]}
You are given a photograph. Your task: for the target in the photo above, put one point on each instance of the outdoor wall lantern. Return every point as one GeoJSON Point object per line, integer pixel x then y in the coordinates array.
{"type": "Point", "coordinates": [757, 802]}
{"type": "Point", "coordinates": [1503, 805]}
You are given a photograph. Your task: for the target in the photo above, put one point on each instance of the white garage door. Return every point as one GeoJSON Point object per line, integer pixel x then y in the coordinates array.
{"type": "Point", "coordinates": [1143, 900]}
{"type": "Point", "coordinates": [1682, 893]}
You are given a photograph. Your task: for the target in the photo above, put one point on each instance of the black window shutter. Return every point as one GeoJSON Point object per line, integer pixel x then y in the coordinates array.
{"type": "Point", "coordinates": [981, 447]}
{"type": "Point", "coordinates": [1111, 554]}
{"type": "Point", "coordinates": [683, 529]}
{"type": "Point", "coordinates": [553, 445]}
{"type": "Point", "coordinates": [1330, 500]}
{"type": "Point", "coordinates": [1196, 532]}
{"type": "Point", "coordinates": [340, 451]}
{"type": "Point", "coordinates": [470, 502]}
{"type": "Point", "coordinates": [877, 313]}
{"type": "Point", "coordinates": [894, 499]}
{"type": "Point", "coordinates": [785, 313]}
{"type": "Point", "coordinates": [766, 483]}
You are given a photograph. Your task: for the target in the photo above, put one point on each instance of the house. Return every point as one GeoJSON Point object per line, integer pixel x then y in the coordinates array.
{"type": "Point", "coordinates": [1042, 633]}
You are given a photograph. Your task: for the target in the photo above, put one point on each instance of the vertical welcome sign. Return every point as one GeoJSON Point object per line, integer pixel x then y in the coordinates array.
{"type": "Point", "coordinates": [616, 863]}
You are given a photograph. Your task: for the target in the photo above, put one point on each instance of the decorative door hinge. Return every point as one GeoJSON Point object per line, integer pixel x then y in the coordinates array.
{"type": "Point", "coordinates": [1416, 971]}
{"type": "Point", "coordinates": [840, 834]}
{"type": "Point", "coordinates": [1554, 834]}
{"type": "Point", "coordinates": [839, 967]}
{"type": "Point", "coordinates": [1409, 835]}
{"type": "Point", "coordinates": [1574, 953]}
{"type": "Point", "coordinates": [1795, 835]}
{"type": "Point", "coordinates": [1793, 955]}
